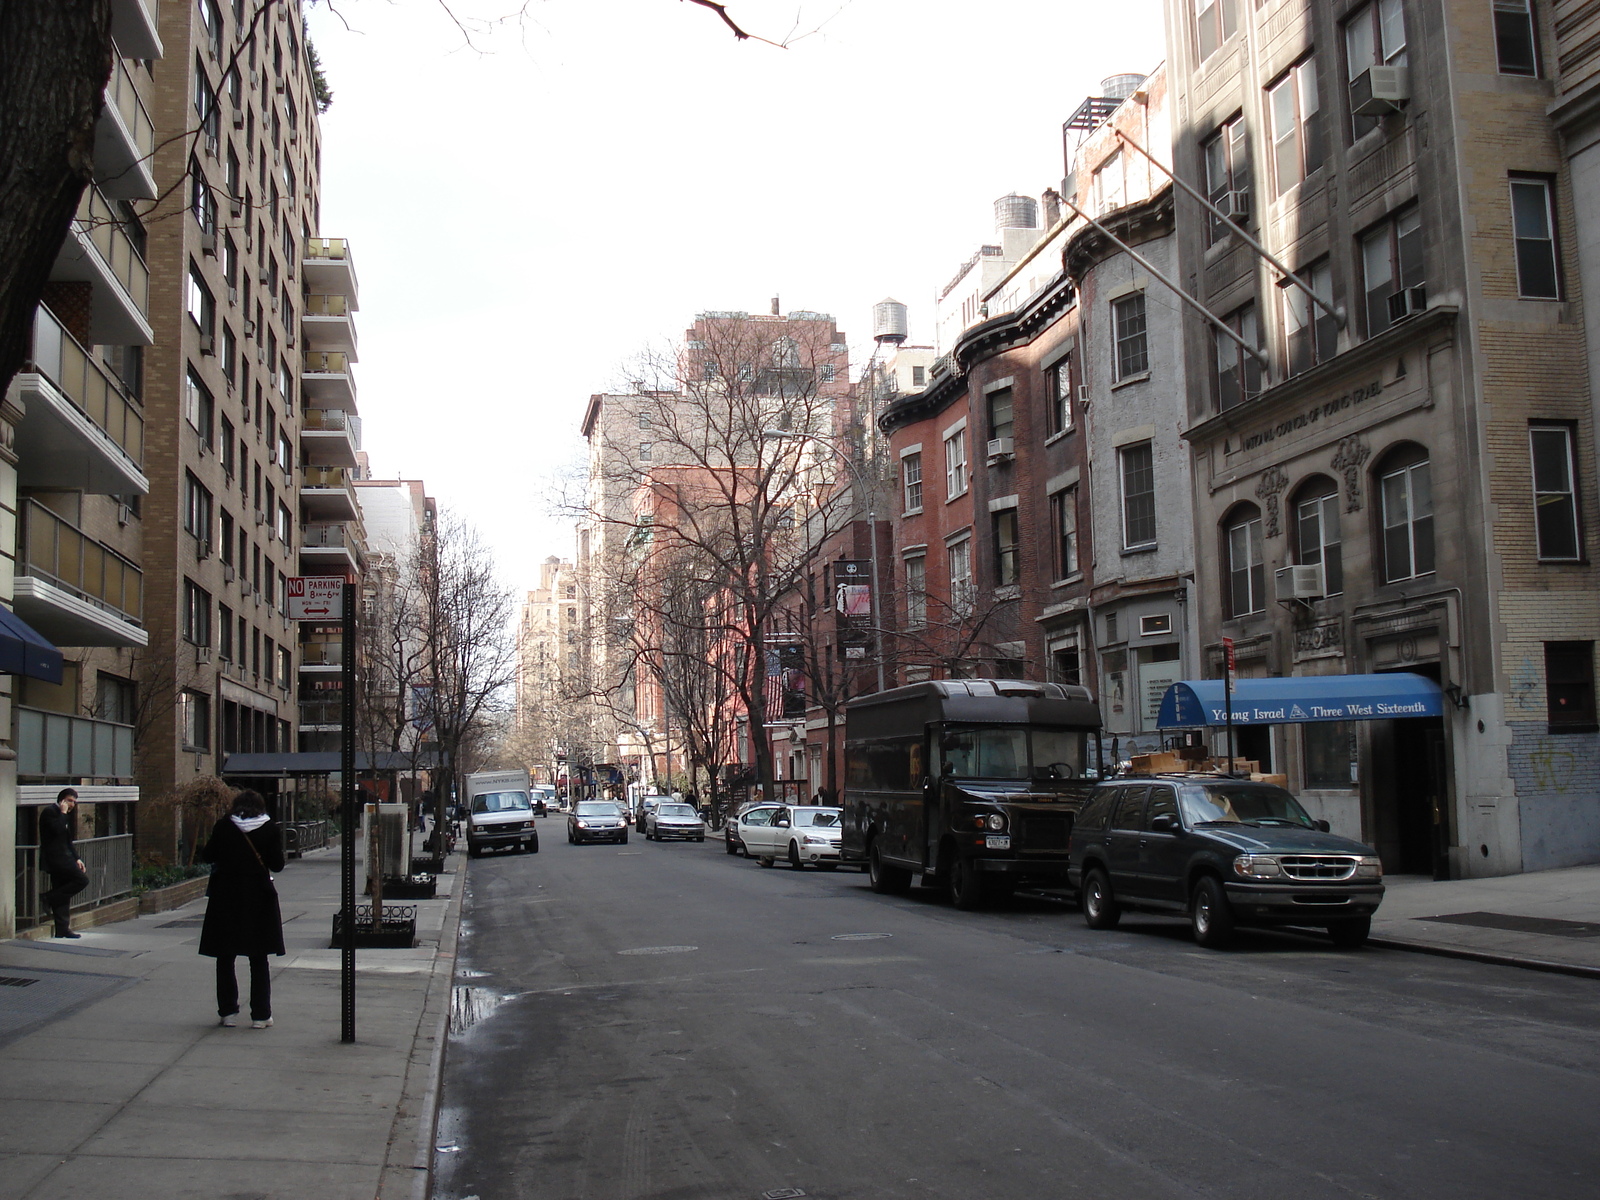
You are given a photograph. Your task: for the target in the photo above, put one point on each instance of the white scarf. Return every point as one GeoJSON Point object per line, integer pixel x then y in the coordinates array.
{"type": "Point", "coordinates": [249, 824]}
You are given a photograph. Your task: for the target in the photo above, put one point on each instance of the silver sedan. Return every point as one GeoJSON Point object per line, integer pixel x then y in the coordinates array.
{"type": "Point", "coordinates": [669, 820]}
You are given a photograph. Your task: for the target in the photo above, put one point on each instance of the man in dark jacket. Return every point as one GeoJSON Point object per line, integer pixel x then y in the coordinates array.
{"type": "Point", "coordinates": [59, 857]}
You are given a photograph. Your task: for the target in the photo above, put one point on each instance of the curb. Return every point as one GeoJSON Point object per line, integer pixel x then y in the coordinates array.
{"type": "Point", "coordinates": [408, 1164]}
{"type": "Point", "coordinates": [1489, 956]}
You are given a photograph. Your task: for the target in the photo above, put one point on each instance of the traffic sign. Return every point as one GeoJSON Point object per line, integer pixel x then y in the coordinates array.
{"type": "Point", "coordinates": [316, 597]}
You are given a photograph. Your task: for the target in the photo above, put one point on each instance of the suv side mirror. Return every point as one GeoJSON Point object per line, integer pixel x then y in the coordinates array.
{"type": "Point", "coordinates": [1164, 823]}
{"type": "Point", "coordinates": [1323, 826]}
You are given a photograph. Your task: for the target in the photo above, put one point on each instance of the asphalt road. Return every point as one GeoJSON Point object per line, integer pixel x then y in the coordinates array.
{"type": "Point", "coordinates": [666, 1022]}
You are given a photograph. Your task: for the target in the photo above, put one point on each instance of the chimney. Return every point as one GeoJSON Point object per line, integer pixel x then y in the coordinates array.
{"type": "Point", "coordinates": [775, 306]}
{"type": "Point", "coordinates": [1052, 207]}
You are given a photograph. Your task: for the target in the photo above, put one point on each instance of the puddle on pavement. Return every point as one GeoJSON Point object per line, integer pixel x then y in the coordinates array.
{"type": "Point", "coordinates": [660, 950]}
{"type": "Point", "coordinates": [469, 1005]}
{"type": "Point", "coordinates": [860, 937]}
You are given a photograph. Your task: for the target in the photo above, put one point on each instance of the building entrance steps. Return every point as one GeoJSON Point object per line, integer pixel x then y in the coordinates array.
{"type": "Point", "coordinates": [116, 1080]}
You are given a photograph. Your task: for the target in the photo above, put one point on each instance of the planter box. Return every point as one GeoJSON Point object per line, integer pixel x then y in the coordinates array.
{"type": "Point", "coordinates": [176, 896]}
{"type": "Point", "coordinates": [410, 887]}
{"type": "Point", "coordinates": [433, 864]}
{"type": "Point", "coordinates": [397, 929]}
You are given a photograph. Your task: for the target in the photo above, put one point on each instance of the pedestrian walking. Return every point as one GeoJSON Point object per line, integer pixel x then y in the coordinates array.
{"type": "Point", "coordinates": [242, 915]}
{"type": "Point", "coordinates": [59, 857]}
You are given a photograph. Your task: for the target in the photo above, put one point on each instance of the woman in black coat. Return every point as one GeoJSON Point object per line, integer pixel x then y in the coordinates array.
{"type": "Point", "coordinates": [242, 916]}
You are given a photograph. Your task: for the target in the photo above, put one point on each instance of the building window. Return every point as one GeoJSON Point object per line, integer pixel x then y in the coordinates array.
{"type": "Point", "coordinates": [1247, 575]}
{"type": "Point", "coordinates": [1391, 262]}
{"type": "Point", "coordinates": [1058, 384]}
{"type": "Point", "coordinates": [285, 666]}
{"type": "Point", "coordinates": [224, 633]}
{"type": "Point", "coordinates": [1555, 492]}
{"type": "Point", "coordinates": [1001, 413]}
{"type": "Point", "coordinates": [1137, 468]}
{"type": "Point", "coordinates": [1330, 754]}
{"type": "Point", "coordinates": [1297, 148]}
{"type": "Point", "coordinates": [1533, 222]}
{"type": "Point", "coordinates": [1569, 686]}
{"type": "Point", "coordinates": [1064, 531]}
{"type": "Point", "coordinates": [1227, 159]}
{"type": "Point", "coordinates": [644, 451]}
{"type": "Point", "coordinates": [1065, 666]}
{"type": "Point", "coordinates": [198, 406]}
{"type": "Point", "coordinates": [1374, 36]}
{"type": "Point", "coordinates": [1238, 376]}
{"type": "Point", "coordinates": [201, 304]}
{"type": "Point", "coordinates": [1406, 499]}
{"type": "Point", "coordinates": [1133, 353]}
{"type": "Point", "coordinates": [1006, 547]}
{"type": "Point", "coordinates": [911, 481]}
{"type": "Point", "coordinates": [196, 614]}
{"type": "Point", "coordinates": [960, 556]}
{"type": "Point", "coordinates": [1215, 21]}
{"type": "Point", "coordinates": [1110, 182]}
{"type": "Point", "coordinates": [919, 376]}
{"type": "Point", "coordinates": [195, 708]}
{"type": "Point", "coordinates": [916, 592]}
{"type": "Point", "coordinates": [202, 201]}
{"type": "Point", "coordinates": [1317, 537]}
{"type": "Point", "coordinates": [955, 464]}
{"type": "Point", "coordinates": [197, 508]}
{"type": "Point", "coordinates": [285, 524]}
{"type": "Point", "coordinates": [1311, 333]}
{"type": "Point", "coordinates": [1515, 40]}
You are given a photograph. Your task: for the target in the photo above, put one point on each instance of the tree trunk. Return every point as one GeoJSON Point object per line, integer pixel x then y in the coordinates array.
{"type": "Point", "coordinates": [53, 76]}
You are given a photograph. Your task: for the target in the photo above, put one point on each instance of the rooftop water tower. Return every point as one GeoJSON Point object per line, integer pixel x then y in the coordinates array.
{"type": "Point", "coordinates": [889, 325]}
{"type": "Point", "coordinates": [1016, 212]}
{"type": "Point", "coordinates": [1120, 87]}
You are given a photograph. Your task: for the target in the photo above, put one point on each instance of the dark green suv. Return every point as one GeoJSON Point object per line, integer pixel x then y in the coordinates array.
{"type": "Point", "coordinates": [1226, 852]}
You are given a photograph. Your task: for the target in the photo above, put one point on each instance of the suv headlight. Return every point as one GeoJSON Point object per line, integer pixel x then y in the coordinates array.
{"type": "Point", "coordinates": [990, 821]}
{"type": "Point", "coordinates": [1369, 868]}
{"type": "Point", "coordinates": [1257, 866]}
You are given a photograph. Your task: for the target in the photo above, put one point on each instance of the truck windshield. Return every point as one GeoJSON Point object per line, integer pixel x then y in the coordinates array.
{"type": "Point", "coordinates": [498, 802]}
{"type": "Point", "coordinates": [1013, 752]}
{"type": "Point", "coordinates": [1216, 804]}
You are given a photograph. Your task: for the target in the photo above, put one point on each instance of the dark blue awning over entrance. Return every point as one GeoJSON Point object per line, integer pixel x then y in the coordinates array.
{"type": "Point", "coordinates": [25, 652]}
{"type": "Point", "coordinates": [1301, 698]}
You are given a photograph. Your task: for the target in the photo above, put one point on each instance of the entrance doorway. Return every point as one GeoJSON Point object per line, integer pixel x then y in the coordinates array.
{"type": "Point", "coordinates": [1409, 789]}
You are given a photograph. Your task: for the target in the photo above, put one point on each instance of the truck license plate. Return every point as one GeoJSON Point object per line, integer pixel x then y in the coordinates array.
{"type": "Point", "coordinates": [997, 841]}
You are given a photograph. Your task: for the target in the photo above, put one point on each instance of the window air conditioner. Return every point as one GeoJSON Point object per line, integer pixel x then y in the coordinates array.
{"type": "Point", "coordinates": [1407, 302]}
{"type": "Point", "coordinates": [202, 654]}
{"type": "Point", "coordinates": [124, 513]}
{"type": "Point", "coordinates": [227, 572]}
{"type": "Point", "coordinates": [1379, 90]}
{"type": "Point", "coordinates": [261, 517]}
{"type": "Point", "coordinates": [249, 327]}
{"type": "Point", "coordinates": [1302, 582]}
{"type": "Point", "coordinates": [1083, 393]}
{"type": "Point", "coordinates": [208, 243]}
{"type": "Point", "coordinates": [208, 343]}
{"type": "Point", "coordinates": [238, 118]}
{"type": "Point", "coordinates": [235, 206]}
{"type": "Point", "coordinates": [203, 550]}
{"type": "Point", "coordinates": [1236, 204]}
{"type": "Point", "coordinates": [1002, 449]}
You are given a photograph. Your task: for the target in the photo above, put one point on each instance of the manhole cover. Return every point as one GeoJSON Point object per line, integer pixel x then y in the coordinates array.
{"type": "Point", "coordinates": [660, 950]}
{"type": "Point", "coordinates": [860, 937]}
{"type": "Point", "coordinates": [782, 1194]}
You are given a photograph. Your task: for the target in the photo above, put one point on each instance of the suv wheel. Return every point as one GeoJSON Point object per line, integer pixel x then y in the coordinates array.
{"type": "Point", "coordinates": [1210, 914]}
{"type": "Point", "coordinates": [1350, 933]}
{"type": "Point", "coordinates": [966, 884]}
{"type": "Point", "coordinates": [1100, 908]}
{"type": "Point", "coordinates": [884, 879]}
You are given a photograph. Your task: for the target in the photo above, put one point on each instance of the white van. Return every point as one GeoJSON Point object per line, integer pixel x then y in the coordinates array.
{"type": "Point", "coordinates": [500, 812]}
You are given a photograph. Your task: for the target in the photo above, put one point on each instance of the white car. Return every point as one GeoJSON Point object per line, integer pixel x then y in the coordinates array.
{"type": "Point", "coordinates": [803, 834]}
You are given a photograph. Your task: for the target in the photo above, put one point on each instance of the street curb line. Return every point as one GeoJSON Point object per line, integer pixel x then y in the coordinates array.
{"type": "Point", "coordinates": [1489, 956]}
{"type": "Point", "coordinates": [415, 1178]}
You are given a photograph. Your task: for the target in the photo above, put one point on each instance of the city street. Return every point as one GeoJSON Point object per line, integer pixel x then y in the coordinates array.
{"type": "Point", "coordinates": [665, 1021]}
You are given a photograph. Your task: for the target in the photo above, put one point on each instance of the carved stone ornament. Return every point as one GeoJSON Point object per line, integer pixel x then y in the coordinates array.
{"type": "Point", "coordinates": [1348, 458]}
{"type": "Point", "coordinates": [1273, 481]}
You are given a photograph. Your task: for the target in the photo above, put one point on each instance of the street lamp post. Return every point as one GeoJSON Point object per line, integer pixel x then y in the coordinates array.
{"type": "Point", "coordinates": [872, 528]}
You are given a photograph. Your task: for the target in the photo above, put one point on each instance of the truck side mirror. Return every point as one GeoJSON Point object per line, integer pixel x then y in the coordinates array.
{"type": "Point", "coordinates": [1164, 823]}
{"type": "Point", "coordinates": [1323, 826]}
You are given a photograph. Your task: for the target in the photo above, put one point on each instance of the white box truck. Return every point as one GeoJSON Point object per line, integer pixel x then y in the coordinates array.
{"type": "Point", "coordinates": [499, 812]}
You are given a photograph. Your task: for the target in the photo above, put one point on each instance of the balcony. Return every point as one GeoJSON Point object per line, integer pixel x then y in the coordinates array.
{"type": "Point", "coordinates": [54, 745]}
{"type": "Point", "coordinates": [324, 659]}
{"type": "Point", "coordinates": [328, 438]}
{"type": "Point", "coordinates": [99, 253]}
{"type": "Point", "coordinates": [326, 495]}
{"type": "Point", "coordinates": [80, 431]}
{"type": "Point", "coordinates": [136, 27]}
{"type": "Point", "coordinates": [329, 269]}
{"type": "Point", "coordinates": [124, 140]}
{"type": "Point", "coordinates": [72, 589]}
{"type": "Point", "coordinates": [325, 380]}
{"type": "Point", "coordinates": [327, 325]}
{"type": "Point", "coordinates": [324, 546]}
{"type": "Point", "coordinates": [322, 711]}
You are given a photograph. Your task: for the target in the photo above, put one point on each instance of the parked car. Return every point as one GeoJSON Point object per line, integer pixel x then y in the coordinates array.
{"type": "Point", "coordinates": [755, 814]}
{"type": "Point", "coordinates": [596, 821]}
{"type": "Point", "coordinates": [1225, 851]}
{"type": "Point", "coordinates": [784, 834]}
{"type": "Point", "coordinates": [671, 819]}
{"type": "Point", "coordinates": [647, 805]}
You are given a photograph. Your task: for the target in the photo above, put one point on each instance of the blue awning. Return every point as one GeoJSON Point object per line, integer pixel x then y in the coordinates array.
{"type": "Point", "coordinates": [1301, 698]}
{"type": "Point", "coordinates": [25, 652]}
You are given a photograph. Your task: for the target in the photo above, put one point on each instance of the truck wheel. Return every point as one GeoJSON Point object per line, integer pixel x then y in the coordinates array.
{"type": "Point", "coordinates": [884, 879]}
{"type": "Point", "coordinates": [967, 891]}
{"type": "Point", "coordinates": [474, 851]}
{"type": "Point", "coordinates": [1210, 914]}
{"type": "Point", "coordinates": [1351, 933]}
{"type": "Point", "coordinates": [1100, 908]}
{"type": "Point", "coordinates": [533, 844]}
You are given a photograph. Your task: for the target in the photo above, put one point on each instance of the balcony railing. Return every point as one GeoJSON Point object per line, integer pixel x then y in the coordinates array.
{"type": "Point", "coordinates": [107, 860]}
{"type": "Point", "coordinates": [55, 744]}
{"type": "Point", "coordinates": [326, 477]}
{"type": "Point", "coordinates": [58, 356]}
{"type": "Point", "coordinates": [326, 419]}
{"type": "Point", "coordinates": [327, 306]}
{"type": "Point", "coordinates": [62, 554]}
{"type": "Point", "coordinates": [326, 362]}
{"type": "Point", "coordinates": [321, 654]}
{"type": "Point", "coordinates": [102, 228]}
{"type": "Point", "coordinates": [322, 713]}
{"type": "Point", "coordinates": [122, 93]}
{"type": "Point", "coordinates": [328, 537]}
{"type": "Point", "coordinates": [326, 248]}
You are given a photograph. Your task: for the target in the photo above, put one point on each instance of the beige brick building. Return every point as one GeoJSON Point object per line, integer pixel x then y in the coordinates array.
{"type": "Point", "coordinates": [1418, 431]}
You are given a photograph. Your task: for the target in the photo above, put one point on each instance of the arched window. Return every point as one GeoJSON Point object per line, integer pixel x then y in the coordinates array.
{"type": "Point", "coordinates": [1405, 510]}
{"type": "Point", "coordinates": [1317, 541]}
{"type": "Point", "coordinates": [1246, 571]}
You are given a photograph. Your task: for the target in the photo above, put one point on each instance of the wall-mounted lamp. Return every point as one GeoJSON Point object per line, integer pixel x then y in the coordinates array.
{"type": "Point", "coordinates": [1453, 691]}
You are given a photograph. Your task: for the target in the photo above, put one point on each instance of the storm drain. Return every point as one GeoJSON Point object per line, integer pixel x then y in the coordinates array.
{"type": "Point", "coordinates": [16, 981]}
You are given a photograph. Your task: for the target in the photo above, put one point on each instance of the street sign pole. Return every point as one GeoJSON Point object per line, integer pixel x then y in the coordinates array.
{"type": "Point", "coordinates": [347, 817]}
{"type": "Point", "coordinates": [1227, 693]}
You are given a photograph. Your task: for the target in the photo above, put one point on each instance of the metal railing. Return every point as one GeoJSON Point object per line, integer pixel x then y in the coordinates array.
{"type": "Point", "coordinates": [321, 654]}
{"type": "Point", "coordinates": [326, 418]}
{"type": "Point", "coordinates": [100, 225]}
{"type": "Point", "coordinates": [300, 836]}
{"type": "Point", "coordinates": [62, 554]}
{"type": "Point", "coordinates": [326, 306]}
{"type": "Point", "coordinates": [326, 362]}
{"type": "Point", "coordinates": [326, 536]}
{"type": "Point", "coordinates": [125, 97]}
{"type": "Point", "coordinates": [321, 713]}
{"type": "Point", "coordinates": [55, 744]}
{"type": "Point", "coordinates": [326, 248]}
{"type": "Point", "coordinates": [326, 477]}
{"type": "Point", "coordinates": [59, 357]}
{"type": "Point", "coordinates": [107, 860]}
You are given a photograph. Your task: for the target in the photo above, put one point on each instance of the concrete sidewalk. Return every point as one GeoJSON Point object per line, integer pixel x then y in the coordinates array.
{"type": "Point", "coordinates": [115, 1079]}
{"type": "Point", "coordinates": [1548, 920]}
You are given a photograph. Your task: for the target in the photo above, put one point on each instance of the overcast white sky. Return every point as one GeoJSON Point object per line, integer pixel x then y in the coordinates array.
{"type": "Point", "coordinates": [527, 216]}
